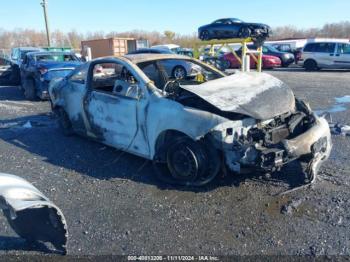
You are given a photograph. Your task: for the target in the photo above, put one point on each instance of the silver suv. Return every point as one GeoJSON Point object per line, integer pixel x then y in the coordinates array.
{"type": "Point", "coordinates": [320, 55]}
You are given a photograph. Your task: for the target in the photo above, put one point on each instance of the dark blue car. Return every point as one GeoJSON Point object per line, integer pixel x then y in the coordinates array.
{"type": "Point", "coordinates": [39, 68]}
{"type": "Point", "coordinates": [234, 28]}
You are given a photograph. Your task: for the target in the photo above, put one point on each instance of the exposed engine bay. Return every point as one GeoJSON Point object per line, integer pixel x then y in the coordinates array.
{"type": "Point", "coordinates": [263, 145]}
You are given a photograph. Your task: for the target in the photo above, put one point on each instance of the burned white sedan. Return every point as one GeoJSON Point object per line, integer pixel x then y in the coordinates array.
{"type": "Point", "coordinates": [190, 128]}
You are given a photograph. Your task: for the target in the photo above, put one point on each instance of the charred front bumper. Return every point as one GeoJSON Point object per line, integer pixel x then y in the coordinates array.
{"type": "Point", "coordinates": [31, 214]}
{"type": "Point", "coordinates": [313, 145]}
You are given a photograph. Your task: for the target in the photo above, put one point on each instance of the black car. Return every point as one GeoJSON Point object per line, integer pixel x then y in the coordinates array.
{"type": "Point", "coordinates": [286, 58]}
{"type": "Point", "coordinates": [233, 28]}
{"type": "Point", "coordinates": [39, 68]}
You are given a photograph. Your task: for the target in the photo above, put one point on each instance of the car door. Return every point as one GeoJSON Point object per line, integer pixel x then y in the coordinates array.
{"type": "Point", "coordinates": [342, 56]}
{"type": "Point", "coordinates": [115, 107]}
{"type": "Point", "coordinates": [73, 95]}
{"type": "Point", "coordinates": [218, 28]}
{"type": "Point", "coordinates": [324, 54]}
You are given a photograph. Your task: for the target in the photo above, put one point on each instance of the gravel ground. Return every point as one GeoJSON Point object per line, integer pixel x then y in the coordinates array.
{"type": "Point", "coordinates": [114, 205]}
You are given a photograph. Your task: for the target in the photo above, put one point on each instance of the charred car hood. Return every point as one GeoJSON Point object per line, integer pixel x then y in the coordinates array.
{"type": "Point", "coordinates": [254, 94]}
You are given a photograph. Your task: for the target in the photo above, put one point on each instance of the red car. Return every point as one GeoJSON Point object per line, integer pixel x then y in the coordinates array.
{"type": "Point", "coordinates": [268, 61]}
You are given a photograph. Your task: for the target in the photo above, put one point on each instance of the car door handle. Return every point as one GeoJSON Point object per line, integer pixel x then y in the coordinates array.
{"type": "Point", "coordinates": [337, 55]}
{"type": "Point", "coordinates": [331, 54]}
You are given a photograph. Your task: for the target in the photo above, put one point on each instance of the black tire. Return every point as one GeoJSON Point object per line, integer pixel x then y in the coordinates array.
{"type": "Point", "coordinates": [64, 122]}
{"type": "Point", "coordinates": [244, 32]}
{"type": "Point", "coordinates": [310, 65]}
{"type": "Point", "coordinates": [187, 162]}
{"type": "Point", "coordinates": [179, 72]}
{"type": "Point", "coordinates": [285, 65]}
{"type": "Point", "coordinates": [29, 89]}
{"type": "Point", "coordinates": [205, 35]}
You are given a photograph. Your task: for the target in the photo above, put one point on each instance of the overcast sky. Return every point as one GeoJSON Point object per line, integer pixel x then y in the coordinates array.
{"type": "Point", "coordinates": [181, 16]}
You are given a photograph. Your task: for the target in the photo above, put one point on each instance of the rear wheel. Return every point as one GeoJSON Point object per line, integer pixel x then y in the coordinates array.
{"type": "Point", "coordinates": [204, 35]}
{"type": "Point", "coordinates": [64, 122]}
{"type": "Point", "coordinates": [29, 89]}
{"type": "Point", "coordinates": [310, 65]}
{"type": "Point", "coordinates": [187, 162]}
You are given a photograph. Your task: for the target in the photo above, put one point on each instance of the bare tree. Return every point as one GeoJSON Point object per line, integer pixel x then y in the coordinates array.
{"type": "Point", "coordinates": [29, 37]}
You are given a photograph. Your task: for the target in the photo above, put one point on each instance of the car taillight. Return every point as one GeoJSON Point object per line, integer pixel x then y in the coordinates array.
{"type": "Point", "coordinates": [42, 70]}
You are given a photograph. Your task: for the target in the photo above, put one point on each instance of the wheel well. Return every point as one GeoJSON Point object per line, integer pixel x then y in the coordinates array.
{"type": "Point", "coordinates": [310, 59]}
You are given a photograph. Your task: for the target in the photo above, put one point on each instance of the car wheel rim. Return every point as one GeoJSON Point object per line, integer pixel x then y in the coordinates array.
{"type": "Point", "coordinates": [183, 164]}
{"type": "Point", "coordinates": [179, 73]}
{"type": "Point", "coordinates": [205, 35]}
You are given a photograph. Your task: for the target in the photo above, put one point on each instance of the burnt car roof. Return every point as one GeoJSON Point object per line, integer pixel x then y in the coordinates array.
{"type": "Point", "coordinates": [140, 58]}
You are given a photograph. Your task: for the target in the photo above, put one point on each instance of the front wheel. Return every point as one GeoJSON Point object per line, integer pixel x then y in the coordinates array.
{"type": "Point", "coordinates": [245, 32]}
{"type": "Point", "coordinates": [187, 162]}
{"type": "Point", "coordinates": [310, 65]}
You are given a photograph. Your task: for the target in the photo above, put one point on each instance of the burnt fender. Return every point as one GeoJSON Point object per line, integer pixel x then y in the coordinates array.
{"type": "Point", "coordinates": [31, 214]}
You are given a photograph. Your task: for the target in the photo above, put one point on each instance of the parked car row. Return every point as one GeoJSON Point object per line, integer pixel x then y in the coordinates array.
{"type": "Point", "coordinates": [271, 58]}
{"type": "Point", "coordinates": [33, 68]}
{"type": "Point", "coordinates": [39, 68]}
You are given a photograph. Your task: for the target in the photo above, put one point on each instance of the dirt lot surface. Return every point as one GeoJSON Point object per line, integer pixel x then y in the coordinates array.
{"type": "Point", "coordinates": [114, 205]}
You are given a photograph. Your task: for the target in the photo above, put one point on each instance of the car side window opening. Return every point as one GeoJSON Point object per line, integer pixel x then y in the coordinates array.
{"type": "Point", "coordinates": [182, 71]}
{"type": "Point", "coordinates": [309, 48]}
{"type": "Point", "coordinates": [218, 22]}
{"type": "Point", "coordinates": [324, 47]}
{"type": "Point", "coordinates": [80, 75]}
{"type": "Point", "coordinates": [115, 79]}
{"type": "Point", "coordinates": [344, 49]}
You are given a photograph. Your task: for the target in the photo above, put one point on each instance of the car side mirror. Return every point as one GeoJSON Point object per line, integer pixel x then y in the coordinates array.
{"type": "Point", "coordinates": [135, 91]}
{"type": "Point", "coordinates": [140, 93]}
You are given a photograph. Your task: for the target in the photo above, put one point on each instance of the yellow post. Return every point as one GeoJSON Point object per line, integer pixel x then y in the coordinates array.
{"type": "Point", "coordinates": [226, 43]}
{"type": "Point", "coordinates": [244, 53]}
{"type": "Point", "coordinates": [259, 65]}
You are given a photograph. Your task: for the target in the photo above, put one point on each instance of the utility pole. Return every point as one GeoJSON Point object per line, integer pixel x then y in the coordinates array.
{"type": "Point", "coordinates": [44, 5]}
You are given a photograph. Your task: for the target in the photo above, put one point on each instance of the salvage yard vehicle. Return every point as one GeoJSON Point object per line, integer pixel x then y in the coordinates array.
{"type": "Point", "coordinates": [331, 55]}
{"type": "Point", "coordinates": [175, 68]}
{"type": "Point", "coordinates": [234, 28]}
{"type": "Point", "coordinates": [268, 61]}
{"type": "Point", "coordinates": [9, 72]}
{"type": "Point", "coordinates": [31, 214]}
{"type": "Point", "coordinates": [39, 68]}
{"type": "Point", "coordinates": [193, 127]}
{"type": "Point", "coordinates": [18, 53]}
{"type": "Point", "coordinates": [285, 57]}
